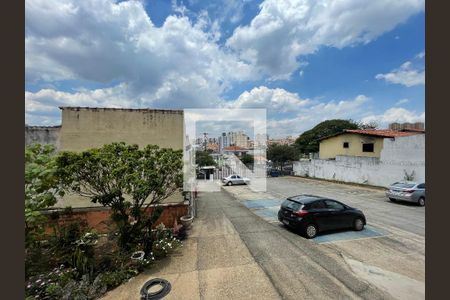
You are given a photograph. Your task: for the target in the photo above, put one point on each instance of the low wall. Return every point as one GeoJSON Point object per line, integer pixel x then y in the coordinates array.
{"type": "Point", "coordinates": [42, 135]}
{"type": "Point", "coordinates": [98, 218]}
{"type": "Point", "coordinates": [362, 170]}
{"type": "Point", "coordinates": [399, 155]}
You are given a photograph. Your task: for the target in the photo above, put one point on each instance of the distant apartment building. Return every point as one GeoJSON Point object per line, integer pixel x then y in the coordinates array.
{"type": "Point", "coordinates": [403, 126]}
{"type": "Point", "coordinates": [239, 139]}
{"type": "Point", "coordinates": [289, 140]}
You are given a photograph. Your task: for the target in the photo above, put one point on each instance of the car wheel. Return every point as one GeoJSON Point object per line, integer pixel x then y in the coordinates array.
{"type": "Point", "coordinates": [421, 201]}
{"type": "Point", "coordinates": [229, 183]}
{"type": "Point", "coordinates": [310, 231]}
{"type": "Point", "coordinates": [358, 224]}
{"type": "Point", "coordinates": [392, 199]}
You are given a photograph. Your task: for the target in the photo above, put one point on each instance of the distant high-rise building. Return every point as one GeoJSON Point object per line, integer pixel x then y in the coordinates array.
{"type": "Point", "coordinates": [403, 126]}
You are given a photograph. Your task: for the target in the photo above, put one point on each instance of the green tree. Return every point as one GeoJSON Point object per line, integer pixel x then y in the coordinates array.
{"type": "Point", "coordinates": [204, 158]}
{"type": "Point", "coordinates": [41, 187]}
{"type": "Point", "coordinates": [280, 154]}
{"type": "Point", "coordinates": [308, 141]}
{"type": "Point", "coordinates": [247, 159]}
{"type": "Point", "coordinates": [126, 179]}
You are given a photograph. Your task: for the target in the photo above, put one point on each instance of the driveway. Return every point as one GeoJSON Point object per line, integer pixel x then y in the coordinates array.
{"type": "Point", "coordinates": [389, 254]}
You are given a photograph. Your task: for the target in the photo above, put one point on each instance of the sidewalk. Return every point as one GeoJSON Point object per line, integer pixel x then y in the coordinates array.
{"type": "Point", "coordinates": [214, 262]}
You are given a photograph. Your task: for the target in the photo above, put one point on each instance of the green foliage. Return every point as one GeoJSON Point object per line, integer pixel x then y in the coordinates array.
{"type": "Point", "coordinates": [279, 154]}
{"type": "Point", "coordinates": [308, 141]}
{"type": "Point", "coordinates": [204, 158]}
{"type": "Point", "coordinates": [247, 159]}
{"type": "Point", "coordinates": [41, 187]}
{"type": "Point", "coordinates": [165, 243]}
{"type": "Point", "coordinates": [113, 174]}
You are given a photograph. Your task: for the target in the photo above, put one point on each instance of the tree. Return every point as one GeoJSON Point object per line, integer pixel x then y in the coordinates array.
{"type": "Point", "coordinates": [279, 154]}
{"type": "Point", "coordinates": [126, 179]}
{"type": "Point", "coordinates": [308, 141]}
{"type": "Point", "coordinates": [204, 158]}
{"type": "Point", "coordinates": [247, 159]}
{"type": "Point", "coordinates": [41, 187]}
{"type": "Point", "coordinates": [370, 125]}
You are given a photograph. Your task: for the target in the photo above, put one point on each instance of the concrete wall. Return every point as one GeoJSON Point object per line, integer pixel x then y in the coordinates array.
{"type": "Point", "coordinates": [84, 128]}
{"type": "Point", "coordinates": [42, 135]}
{"type": "Point", "coordinates": [331, 147]}
{"type": "Point", "coordinates": [399, 155]}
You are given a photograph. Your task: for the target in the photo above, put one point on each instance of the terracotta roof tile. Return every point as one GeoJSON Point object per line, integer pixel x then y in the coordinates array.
{"type": "Point", "coordinates": [235, 148]}
{"type": "Point", "coordinates": [382, 133]}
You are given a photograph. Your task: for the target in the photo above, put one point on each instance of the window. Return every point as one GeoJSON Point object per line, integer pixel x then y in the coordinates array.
{"type": "Point", "coordinates": [334, 205]}
{"type": "Point", "coordinates": [292, 205]}
{"type": "Point", "coordinates": [233, 177]}
{"type": "Point", "coordinates": [367, 147]}
{"type": "Point", "coordinates": [421, 186]}
{"type": "Point", "coordinates": [317, 205]}
{"type": "Point", "coordinates": [237, 176]}
{"type": "Point", "coordinates": [345, 145]}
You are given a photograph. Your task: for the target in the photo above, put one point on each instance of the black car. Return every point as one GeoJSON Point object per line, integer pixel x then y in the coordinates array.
{"type": "Point", "coordinates": [312, 214]}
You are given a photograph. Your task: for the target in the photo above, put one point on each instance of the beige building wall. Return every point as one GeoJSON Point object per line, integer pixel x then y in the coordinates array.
{"type": "Point", "coordinates": [333, 146]}
{"type": "Point", "coordinates": [85, 128]}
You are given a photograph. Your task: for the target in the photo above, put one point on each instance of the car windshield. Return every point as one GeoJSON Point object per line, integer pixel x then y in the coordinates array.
{"type": "Point", "coordinates": [292, 205]}
{"type": "Point", "coordinates": [403, 185]}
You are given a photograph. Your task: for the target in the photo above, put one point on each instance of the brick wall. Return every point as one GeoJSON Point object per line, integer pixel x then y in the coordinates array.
{"type": "Point", "coordinates": [98, 218]}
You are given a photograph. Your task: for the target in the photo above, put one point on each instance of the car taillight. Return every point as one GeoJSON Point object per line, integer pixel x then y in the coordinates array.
{"type": "Point", "coordinates": [301, 213]}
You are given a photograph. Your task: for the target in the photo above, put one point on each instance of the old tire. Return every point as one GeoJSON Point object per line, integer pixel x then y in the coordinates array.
{"type": "Point", "coordinates": [421, 201]}
{"type": "Point", "coordinates": [310, 231]}
{"type": "Point", "coordinates": [358, 224]}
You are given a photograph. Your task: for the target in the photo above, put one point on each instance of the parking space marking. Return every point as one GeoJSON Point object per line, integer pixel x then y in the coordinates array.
{"type": "Point", "coordinates": [367, 233]}
{"type": "Point", "coordinates": [267, 209]}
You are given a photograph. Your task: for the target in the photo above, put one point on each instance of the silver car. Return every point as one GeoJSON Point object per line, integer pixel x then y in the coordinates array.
{"type": "Point", "coordinates": [235, 179]}
{"type": "Point", "coordinates": [407, 191]}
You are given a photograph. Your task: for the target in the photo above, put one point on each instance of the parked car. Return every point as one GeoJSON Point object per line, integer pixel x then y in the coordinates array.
{"type": "Point", "coordinates": [273, 172]}
{"type": "Point", "coordinates": [313, 214]}
{"type": "Point", "coordinates": [407, 191]}
{"type": "Point", "coordinates": [235, 179]}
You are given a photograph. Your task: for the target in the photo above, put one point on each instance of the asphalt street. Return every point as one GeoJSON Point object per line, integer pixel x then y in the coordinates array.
{"type": "Point", "coordinates": [388, 265]}
{"type": "Point", "coordinates": [377, 208]}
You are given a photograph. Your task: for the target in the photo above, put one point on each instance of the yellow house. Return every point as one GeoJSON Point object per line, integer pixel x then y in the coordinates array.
{"type": "Point", "coordinates": [367, 143]}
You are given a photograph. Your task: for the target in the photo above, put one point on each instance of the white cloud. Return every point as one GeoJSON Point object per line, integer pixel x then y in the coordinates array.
{"type": "Point", "coordinates": [104, 41]}
{"type": "Point", "coordinates": [420, 55]}
{"type": "Point", "coordinates": [402, 101]}
{"type": "Point", "coordinates": [405, 75]}
{"type": "Point", "coordinates": [396, 114]}
{"type": "Point", "coordinates": [281, 105]}
{"type": "Point", "coordinates": [275, 100]}
{"type": "Point", "coordinates": [284, 30]}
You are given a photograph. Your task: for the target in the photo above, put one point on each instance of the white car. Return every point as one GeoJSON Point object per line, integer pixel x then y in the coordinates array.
{"type": "Point", "coordinates": [235, 179]}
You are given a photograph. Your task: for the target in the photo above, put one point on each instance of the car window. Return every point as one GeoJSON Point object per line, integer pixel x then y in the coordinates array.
{"type": "Point", "coordinates": [334, 205]}
{"type": "Point", "coordinates": [317, 205]}
{"type": "Point", "coordinates": [237, 176]}
{"type": "Point", "coordinates": [295, 206]}
{"type": "Point", "coordinates": [233, 177]}
{"type": "Point", "coordinates": [403, 185]}
{"type": "Point", "coordinates": [421, 186]}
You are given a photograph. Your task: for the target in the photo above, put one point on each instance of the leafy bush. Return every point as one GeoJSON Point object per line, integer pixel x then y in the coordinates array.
{"type": "Point", "coordinates": [164, 242]}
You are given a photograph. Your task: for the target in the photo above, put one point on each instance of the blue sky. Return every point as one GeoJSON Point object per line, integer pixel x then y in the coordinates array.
{"type": "Point", "coordinates": [303, 60]}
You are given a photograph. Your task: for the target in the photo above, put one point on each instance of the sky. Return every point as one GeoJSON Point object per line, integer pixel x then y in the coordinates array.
{"type": "Point", "coordinates": [305, 61]}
